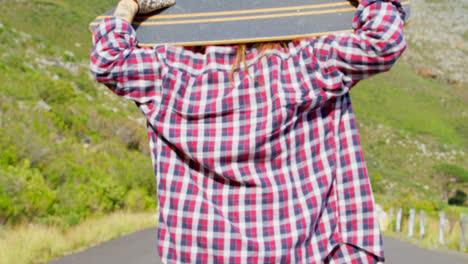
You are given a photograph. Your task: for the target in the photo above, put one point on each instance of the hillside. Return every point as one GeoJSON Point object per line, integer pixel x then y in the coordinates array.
{"type": "Point", "coordinates": [416, 116]}
{"type": "Point", "coordinates": [71, 148]}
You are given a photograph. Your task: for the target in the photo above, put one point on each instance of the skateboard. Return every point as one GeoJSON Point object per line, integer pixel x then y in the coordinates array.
{"type": "Point", "coordinates": [218, 22]}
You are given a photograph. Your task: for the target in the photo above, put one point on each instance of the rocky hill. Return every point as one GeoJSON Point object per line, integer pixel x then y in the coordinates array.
{"type": "Point", "coordinates": [438, 37]}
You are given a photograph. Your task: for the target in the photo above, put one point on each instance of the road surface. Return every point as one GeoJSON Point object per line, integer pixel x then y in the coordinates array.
{"type": "Point", "coordinates": [140, 248]}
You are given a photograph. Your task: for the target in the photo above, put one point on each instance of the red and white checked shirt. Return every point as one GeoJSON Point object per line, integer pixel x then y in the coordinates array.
{"type": "Point", "coordinates": [267, 168]}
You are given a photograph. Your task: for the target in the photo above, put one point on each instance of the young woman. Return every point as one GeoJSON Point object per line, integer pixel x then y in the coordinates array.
{"type": "Point", "coordinates": [255, 147]}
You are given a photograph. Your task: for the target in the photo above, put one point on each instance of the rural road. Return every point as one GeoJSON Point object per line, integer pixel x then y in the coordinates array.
{"type": "Point", "coordinates": [140, 248]}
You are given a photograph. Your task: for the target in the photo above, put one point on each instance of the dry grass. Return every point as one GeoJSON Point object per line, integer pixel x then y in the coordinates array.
{"type": "Point", "coordinates": [31, 243]}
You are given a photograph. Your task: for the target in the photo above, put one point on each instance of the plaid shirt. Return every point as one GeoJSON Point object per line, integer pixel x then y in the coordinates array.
{"type": "Point", "coordinates": [267, 167]}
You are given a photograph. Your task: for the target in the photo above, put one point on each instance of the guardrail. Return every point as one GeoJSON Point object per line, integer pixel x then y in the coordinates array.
{"type": "Point", "coordinates": [445, 225]}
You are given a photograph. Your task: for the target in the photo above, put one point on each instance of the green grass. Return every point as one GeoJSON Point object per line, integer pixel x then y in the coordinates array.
{"type": "Point", "coordinates": [409, 124]}
{"type": "Point", "coordinates": [403, 100]}
{"type": "Point", "coordinates": [465, 35]}
{"type": "Point", "coordinates": [58, 24]}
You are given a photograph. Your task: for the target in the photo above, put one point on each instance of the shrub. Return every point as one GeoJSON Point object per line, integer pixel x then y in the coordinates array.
{"type": "Point", "coordinates": [377, 182]}
{"type": "Point", "coordinates": [459, 198]}
{"type": "Point", "coordinates": [8, 156]}
{"type": "Point", "coordinates": [106, 195]}
{"type": "Point", "coordinates": [450, 175]}
{"type": "Point", "coordinates": [24, 194]}
{"type": "Point", "coordinates": [406, 201]}
{"type": "Point", "coordinates": [56, 92]}
{"type": "Point", "coordinates": [138, 200]}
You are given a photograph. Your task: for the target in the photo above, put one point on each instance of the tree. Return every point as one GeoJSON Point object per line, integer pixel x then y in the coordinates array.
{"type": "Point", "coordinates": [451, 176]}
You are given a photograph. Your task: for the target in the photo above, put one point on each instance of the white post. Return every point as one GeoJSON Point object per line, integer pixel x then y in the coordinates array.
{"type": "Point", "coordinates": [412, 214]}
{"type": "Point", "coordinates": [422, 230]}
{"type": "Point", "coordinates": [441, 227]}
{"type": "Point", "coordinates": [463, 233]}
{"type": "Point", "coordinates": [398, 220]}
{"type": "Point", "coordinates": [390, 219]}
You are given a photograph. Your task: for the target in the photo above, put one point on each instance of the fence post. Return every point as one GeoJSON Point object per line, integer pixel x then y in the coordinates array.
{"type": "Point", "coordinates": [398, 220]}
{"type": "Point", "coordinates": [441, 227]}
{"type": "Point", "coordinates": [412, 213]}
{"type": "Point", "coordinates": [390, 218]}
{"type": "Point", "coordinates": [422, 230]}
{"type": "Point", "coordinates": [463, 233]}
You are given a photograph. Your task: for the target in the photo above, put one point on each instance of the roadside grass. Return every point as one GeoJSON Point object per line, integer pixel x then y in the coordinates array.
{"type": "Point", "coordinates": [34, 243]}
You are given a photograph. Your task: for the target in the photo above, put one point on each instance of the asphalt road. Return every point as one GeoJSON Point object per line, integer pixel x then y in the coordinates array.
{"type": "Point", "coordinates": [140, 248]}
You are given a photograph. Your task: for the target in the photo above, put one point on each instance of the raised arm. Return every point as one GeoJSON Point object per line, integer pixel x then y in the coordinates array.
{"type": "Point", "coordinates": [117, 62]}
{"type": "Point", "coordinates": [375, 45]}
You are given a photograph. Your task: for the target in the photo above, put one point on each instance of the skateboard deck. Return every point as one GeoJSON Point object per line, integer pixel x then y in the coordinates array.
{"type": "Point", "coordinates": [212, 22]}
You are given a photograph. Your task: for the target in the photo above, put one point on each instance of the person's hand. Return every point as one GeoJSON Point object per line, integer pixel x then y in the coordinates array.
{"type": "Point", "coordinates": [148, 6]}
{"type": "Point", "coordinates": [354, 3]}
{"type": "Point", "coordinates": [126, 10]}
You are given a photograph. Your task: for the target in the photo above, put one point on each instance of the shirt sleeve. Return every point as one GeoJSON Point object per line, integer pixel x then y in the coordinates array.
{"type": "Point", "coordinates": [341, 60]}
{"type": "Point", "coordinates": [117, 62]}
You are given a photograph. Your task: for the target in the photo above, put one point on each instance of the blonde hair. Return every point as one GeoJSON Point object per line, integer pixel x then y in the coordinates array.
{"type": "Point", "coordinates": [241, 51]}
